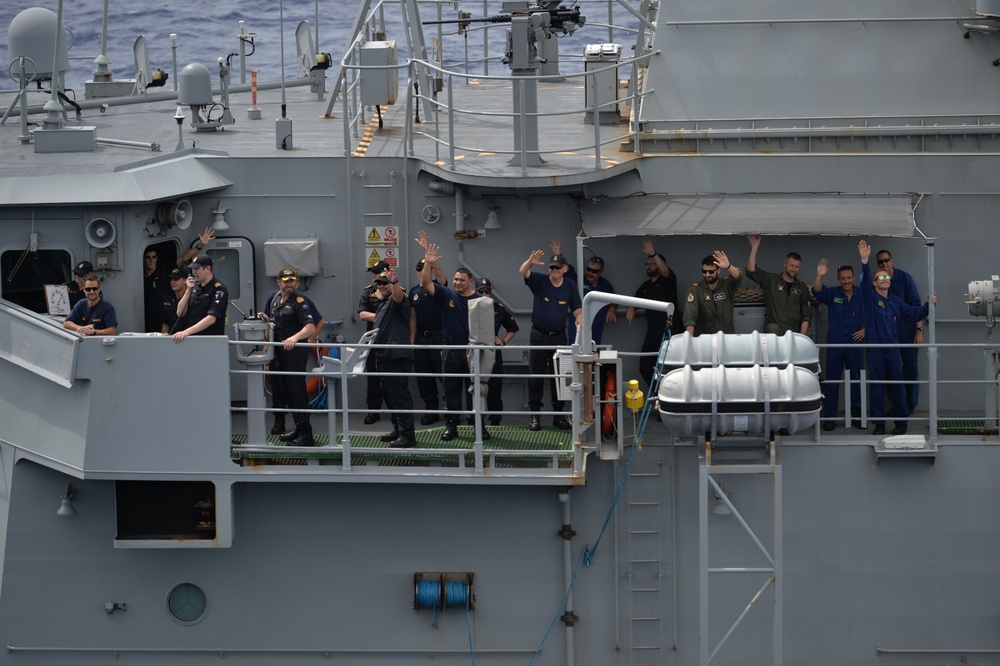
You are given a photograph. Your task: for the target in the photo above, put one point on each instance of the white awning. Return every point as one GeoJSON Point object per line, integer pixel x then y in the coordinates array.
{"type": "Point", "coordinates": [798, 214]}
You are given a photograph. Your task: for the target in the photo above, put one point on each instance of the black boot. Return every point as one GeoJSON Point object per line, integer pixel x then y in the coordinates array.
{"type": "Point", "coordinates": [289, 436]}
{"type": "Point", "coordinates": [279, 425]}
{"type": "Point", "coordinates": [450, 431]}
{"type": "Point", "coordinates": [389, 436]}
{"type": "Point", "coordinates": [536, 423]}
{"type": "Point", "coordinates": [305, 437]}
{"type": "Point", "coordinates": [486, 433]}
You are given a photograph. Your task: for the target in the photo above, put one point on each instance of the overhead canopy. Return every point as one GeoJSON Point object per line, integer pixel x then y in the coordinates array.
{"type": "Point", "coordinates": [737, 214]}
{"type": "Point", "coordinates": [156, 181]}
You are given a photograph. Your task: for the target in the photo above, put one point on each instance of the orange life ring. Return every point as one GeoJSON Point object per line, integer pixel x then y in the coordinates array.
{"type": "Point", "coordinates": [314, 382]}
{"type": "Point", "coordinates": [608, 418]}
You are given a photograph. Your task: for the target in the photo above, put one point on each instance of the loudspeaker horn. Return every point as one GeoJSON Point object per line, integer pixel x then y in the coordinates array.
{"type": "Point", "coordinates": [100, 232]}
{"type": "Point", "coordinates": [175, 214]}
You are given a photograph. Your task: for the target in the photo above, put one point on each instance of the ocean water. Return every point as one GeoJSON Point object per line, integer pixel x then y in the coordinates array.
{"type": "Point", "coordinates": [207, 31]}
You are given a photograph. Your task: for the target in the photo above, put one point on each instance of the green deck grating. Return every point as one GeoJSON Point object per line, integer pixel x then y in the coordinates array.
{"type": "Point", "coordinates": [966, 427]}
{"type": "Point", "coordinates": [504, 438]}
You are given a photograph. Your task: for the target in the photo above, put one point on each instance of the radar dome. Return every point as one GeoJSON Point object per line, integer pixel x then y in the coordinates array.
{"type": "Point", "coordinates": [32, 33]}
{"type": "Point", "coordinates": [194, 85]}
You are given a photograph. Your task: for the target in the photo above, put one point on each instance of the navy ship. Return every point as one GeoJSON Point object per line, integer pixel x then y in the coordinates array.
{"type": "Point", "coordinates": [148, 514]}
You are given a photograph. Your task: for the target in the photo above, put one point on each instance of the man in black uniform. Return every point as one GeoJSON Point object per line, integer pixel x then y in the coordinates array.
{"type": "Point", "coordinates": [502, 318]}
{"type": "Point", "coordinates": [293, 322]}
{"type": "Point", "coordinates": [426, 318]}
{"type": "Point", "coordinates": [393, 323]}
{"type": "Point", "coordinates": [155, 289]}
{"type": "Point", "coordinates": [661, 286]}
{"type": "Point", "coordinates": [202, 308]}
{"type": "Point", "coordinates": [168, 304]}
{"type": "Point", "coordinates": [367, 306]}
{"type": "Point", "coordinates": [75, 286]}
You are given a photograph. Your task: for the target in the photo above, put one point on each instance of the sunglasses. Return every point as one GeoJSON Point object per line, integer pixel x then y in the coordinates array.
{"type": "Point", "coordinates": [706, 271]}
{"type": "Point", "coordinates": [884, 261]}
{"type": "Point", "coordinates": [593, 270]}
{"type": "Point", "coordinates": [91, 288]}
{"type": "Point", "coordinates": [883, 278]}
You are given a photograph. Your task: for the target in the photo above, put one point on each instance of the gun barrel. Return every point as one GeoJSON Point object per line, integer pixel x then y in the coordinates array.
{"type": "Point", "coordinates": [487, 19]}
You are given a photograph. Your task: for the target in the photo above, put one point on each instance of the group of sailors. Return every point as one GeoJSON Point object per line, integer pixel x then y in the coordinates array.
{"type": "Point", "coordinates": [884, 308]}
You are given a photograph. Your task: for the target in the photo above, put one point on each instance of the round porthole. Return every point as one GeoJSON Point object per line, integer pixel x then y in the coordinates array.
{"type": "Point", "coordinates": [187, 603]}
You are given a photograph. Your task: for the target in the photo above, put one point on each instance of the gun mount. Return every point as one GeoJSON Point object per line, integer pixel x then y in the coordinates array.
{"type": "Point", "coordinates": [531, 23]}
{"type": "Point", "coordinates": [561, 20]}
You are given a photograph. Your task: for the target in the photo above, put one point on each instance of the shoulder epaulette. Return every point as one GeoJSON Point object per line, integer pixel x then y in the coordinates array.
{"type": "Point", "coordinates": [299, 299]}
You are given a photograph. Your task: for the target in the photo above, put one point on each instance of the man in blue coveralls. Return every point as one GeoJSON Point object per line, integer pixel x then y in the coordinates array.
{"type": "Point", "coordinates": [903, 286]}
{"type": "Point", "coordinates": [883, 312]}
{"type": "Point", "coordinates": [846, 326]}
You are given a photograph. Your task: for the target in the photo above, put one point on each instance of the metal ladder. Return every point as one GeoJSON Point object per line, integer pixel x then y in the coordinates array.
{"type": "Point", "coordinates": [377, 209]}
{"type": "Point", "coordinates": [644, 567]}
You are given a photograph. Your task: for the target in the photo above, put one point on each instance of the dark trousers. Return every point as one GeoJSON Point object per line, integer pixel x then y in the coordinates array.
{"type": "Point", "coordinates": [494, 393]}
{"type": "Point", "coordinates": [651, 343]}
{"type": "Point", "coordinates": [397, 393]}
{"type": "Point", "coordinates": [374, 396]}
{"type": "Point", "coordinates": [455, 361]}
{"type": "Point", "coordinates": [886, 364]}
{"type": "Point", "coordinates": [427, 365]}
{"type": "Point", "coordinates": [911, 372]}
{"type": "Point", "coordinates": [540, 363]}
{"type": "Point", "coordinates": [836, 361]}
{"type": "Point", "coordinates": [289, 391]}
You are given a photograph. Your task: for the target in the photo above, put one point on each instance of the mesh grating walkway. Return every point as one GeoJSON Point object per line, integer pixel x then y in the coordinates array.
{"type": "Point", "coordinates": [499, 451]}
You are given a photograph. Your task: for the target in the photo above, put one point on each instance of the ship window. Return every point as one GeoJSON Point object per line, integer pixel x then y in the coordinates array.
{"type": "Point", "coordinates": [167, 510]}
{"type": "Point", "coordinates": [23, 275]}
{"type": "Point", "coordinates": [187, 603]}
{"type": "Point", "coordinates": [226, 269]}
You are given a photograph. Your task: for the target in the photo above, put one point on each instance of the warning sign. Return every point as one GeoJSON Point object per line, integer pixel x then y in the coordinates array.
{"type": "Point", "coordinates": [382, 236]}
{"type": "Point", "coordinates": [389, 255]}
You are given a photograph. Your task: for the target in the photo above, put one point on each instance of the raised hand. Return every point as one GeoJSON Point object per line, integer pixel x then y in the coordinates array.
{"type": "Point", "coordinates": [432, 254]}
{"type": "Point", "coordinates": [865, 250]}
{"type": "Point", "coordinates": [556, 246]}
{"type": "Point", "coordinates": [754, 240]}
{"type": "Point", "coordinates": [537, 257]}
{"type": "Point", "coordinates": [821, 268]}
{"type": "Point", "coordinates": [423, 240]}
{"type": "Point", "coordinates": [721, 260]}
{"type": "Point", "coordinates": [647, 245]}
{"type": "Point", "coordinates": [206, 236]}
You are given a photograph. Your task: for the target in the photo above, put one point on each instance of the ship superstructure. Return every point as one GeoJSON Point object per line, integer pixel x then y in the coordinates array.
{"type": "Point", "coordinates": [148, 515]}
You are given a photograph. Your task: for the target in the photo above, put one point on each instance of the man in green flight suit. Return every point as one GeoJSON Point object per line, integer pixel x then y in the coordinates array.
{"type": "Point", "coordinates": [786, 298]}
{"type": "Point", "coordinates": [709, 307]}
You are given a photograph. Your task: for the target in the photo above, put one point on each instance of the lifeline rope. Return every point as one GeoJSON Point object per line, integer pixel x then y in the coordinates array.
{"type": "Point", "coordinates": [587, 554]}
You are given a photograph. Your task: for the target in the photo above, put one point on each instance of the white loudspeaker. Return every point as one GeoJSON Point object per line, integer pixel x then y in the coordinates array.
{"type": "Point", "coordinates": [100, 232]}
{"type": "Point", "coordinates": [175, 214]}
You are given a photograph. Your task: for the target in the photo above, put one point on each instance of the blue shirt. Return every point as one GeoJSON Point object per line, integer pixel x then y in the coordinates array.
{"type": "Point", "coordinates": [552, 304]}
{"type": "Point", "coordinates": [100, 317]}
{"type": "Point", "coordinates": [454, 314]}
{"type": "Point", "coordinates": [883, 315]}
{"type": "Point", "coordinates": [428, 312]}
{"type": "Point", "coordinates": [846, 315]}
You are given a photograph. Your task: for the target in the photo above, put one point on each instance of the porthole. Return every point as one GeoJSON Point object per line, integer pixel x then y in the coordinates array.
{"type": "Point", "coordinates": [187, 603]}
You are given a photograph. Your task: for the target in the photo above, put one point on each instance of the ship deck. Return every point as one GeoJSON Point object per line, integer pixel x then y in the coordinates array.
{"type": "Point", "coordinates": [473, 144]}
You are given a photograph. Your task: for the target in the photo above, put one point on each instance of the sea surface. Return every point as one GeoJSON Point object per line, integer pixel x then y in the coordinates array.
{"type": "Point", "coordinates": [207, 31]}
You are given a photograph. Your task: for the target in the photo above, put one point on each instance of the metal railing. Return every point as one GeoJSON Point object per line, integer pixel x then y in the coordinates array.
{"type": "Point", "coordinates": [339, 416]}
